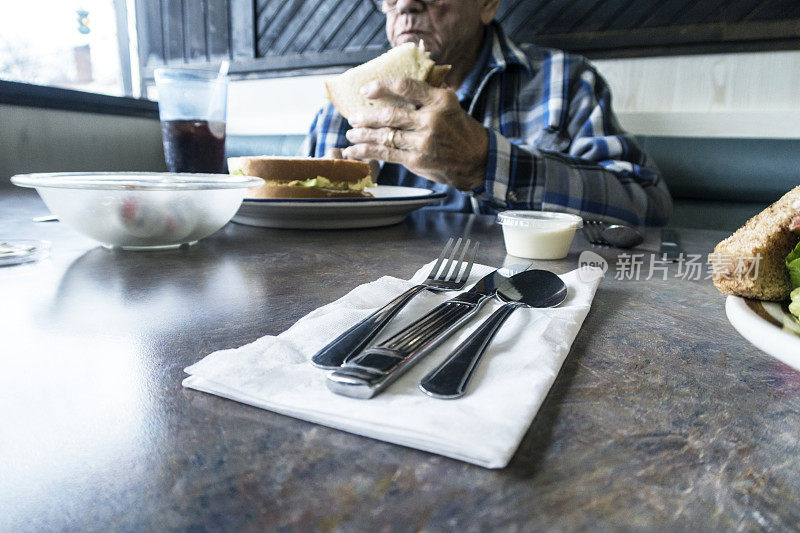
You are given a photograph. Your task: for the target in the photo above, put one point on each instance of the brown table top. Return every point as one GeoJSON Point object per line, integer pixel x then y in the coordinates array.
{"type": "Point", "coordinates": [662, 416]}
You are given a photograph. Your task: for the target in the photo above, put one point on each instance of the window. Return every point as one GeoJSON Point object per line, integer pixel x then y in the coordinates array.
{"type": "Point", "coordinates": [71, 44]}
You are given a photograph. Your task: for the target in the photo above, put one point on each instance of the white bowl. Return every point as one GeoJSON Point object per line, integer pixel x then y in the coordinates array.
{"type": "Point", "coordinates": [538, 234]}
{"type": "Point", "coordinates": [141, 210]}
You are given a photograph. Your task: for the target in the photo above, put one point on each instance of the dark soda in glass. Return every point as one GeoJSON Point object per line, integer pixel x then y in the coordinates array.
{"type": "Point", "coordinates": [194, 146]}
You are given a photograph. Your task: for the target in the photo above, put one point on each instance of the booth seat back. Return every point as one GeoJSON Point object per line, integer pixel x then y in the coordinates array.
{"type": "Point", "coordinates": [53, 140]}
{"type": "Point", "coordinates": [718, 183]}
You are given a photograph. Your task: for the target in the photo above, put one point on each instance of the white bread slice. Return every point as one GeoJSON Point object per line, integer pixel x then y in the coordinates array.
{"type": "Point", "coordinates": [766, 235]}
{"type": "Point", "coordinates": [405, 61]}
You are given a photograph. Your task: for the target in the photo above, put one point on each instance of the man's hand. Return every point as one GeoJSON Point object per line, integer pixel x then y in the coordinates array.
{"type": "Point", "coordinates": [333, 153]}
{"type": "Point", "coordinates": [436, 139]}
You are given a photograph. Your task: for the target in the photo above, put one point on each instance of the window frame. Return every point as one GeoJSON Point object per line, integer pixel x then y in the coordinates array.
{"type": "Point", "coordinates": [47, 97]}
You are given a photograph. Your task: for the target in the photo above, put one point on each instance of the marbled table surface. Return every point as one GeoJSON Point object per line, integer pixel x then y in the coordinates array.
{"type": "Point", "coordinates": [662, 417]}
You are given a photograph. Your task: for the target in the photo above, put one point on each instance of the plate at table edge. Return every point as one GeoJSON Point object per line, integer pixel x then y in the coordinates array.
{"type": "Point", "coordinates": [390, 205]}
{"type": "Point", "coordinates": [768, 326]}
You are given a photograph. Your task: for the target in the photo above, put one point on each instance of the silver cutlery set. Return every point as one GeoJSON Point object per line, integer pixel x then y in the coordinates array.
{"type": "Point", "coordinates": [361, 370]}
{"type": "Point", "coordinates": [363, 373]}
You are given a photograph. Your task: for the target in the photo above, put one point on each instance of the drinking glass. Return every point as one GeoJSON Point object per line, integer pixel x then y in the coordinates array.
{"type": "Point", "coordinates": [192, 106]}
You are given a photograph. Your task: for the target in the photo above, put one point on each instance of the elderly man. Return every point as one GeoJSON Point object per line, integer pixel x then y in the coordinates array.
{"type": "Point", "coordinates": [514, 127]}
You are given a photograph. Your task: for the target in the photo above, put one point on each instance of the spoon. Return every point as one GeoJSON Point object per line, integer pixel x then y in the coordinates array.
{"type": "Point", "coordinates": [622, 236]}
{"type": "Point", "coordinates": [532, 288]}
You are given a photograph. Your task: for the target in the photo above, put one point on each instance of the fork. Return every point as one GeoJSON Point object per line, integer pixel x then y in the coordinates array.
{"type": "Point", "coordinates": [443, 277]}
{"type": "Point", "coordinates": [616, 235]}
{"type": "Point", "coordinates": [593, 231]}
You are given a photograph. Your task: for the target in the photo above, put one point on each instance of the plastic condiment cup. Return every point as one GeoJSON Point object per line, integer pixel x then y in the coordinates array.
{"type": "Point", "coordinates": [538, 234]}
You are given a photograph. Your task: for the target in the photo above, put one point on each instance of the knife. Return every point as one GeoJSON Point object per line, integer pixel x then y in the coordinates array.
{"type": "Point", "coordinates": [374, 369]}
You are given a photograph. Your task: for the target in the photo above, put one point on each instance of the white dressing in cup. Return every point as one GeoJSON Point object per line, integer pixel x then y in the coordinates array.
{"type": "Point", "coordinates": [538, 234]}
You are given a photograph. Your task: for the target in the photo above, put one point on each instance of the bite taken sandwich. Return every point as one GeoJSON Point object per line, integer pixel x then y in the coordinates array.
{"type": "Point", "coordinates": [405, 61]}
{"type": "Point", "coordinates": [761, 260]}
{"type": "Point", "coordinates": [304, 177]}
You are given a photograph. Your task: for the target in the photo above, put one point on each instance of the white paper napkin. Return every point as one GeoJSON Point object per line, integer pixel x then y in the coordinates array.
{"type": "Point", "coordinates": [483, 427]}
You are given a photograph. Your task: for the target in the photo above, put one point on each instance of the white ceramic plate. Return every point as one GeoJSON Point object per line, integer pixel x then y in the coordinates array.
{"type": "Point", "coordinates": [390, 205]}
{"type": "Point", "coordinates": [768, 326]}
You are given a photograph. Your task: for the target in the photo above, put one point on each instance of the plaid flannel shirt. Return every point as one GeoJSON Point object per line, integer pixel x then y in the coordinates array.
{"type": "Point", "coordinates": [554, 142]}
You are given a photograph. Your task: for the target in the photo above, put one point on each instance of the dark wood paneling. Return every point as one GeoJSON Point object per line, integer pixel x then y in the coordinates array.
{"type": "Point", "coordinates": [630, 15]}
{"type": "Point", "coordinates": [299, 25]}
{"type": "Point", "coordinates": [312, 27]}
{"type": "Point", "coordinates": [268, 36]}
{"type": "Point", "coordinates": [194, 29]}
{"type": "Point", "coordinates": [664, 13]}
{"type": "Point", "coordinates": [272, 15]}
{"type": "Point", "coordinates": [701, 12]}
{"type": "Point", "coordinates": [217, 35]}
{"type": "Point", "coordinates": [775, 9]}
{"type": "Point", "coordinates": [737, 10]}
{"type": "Point", "coordinates": [354, 26]}
{"type": "Point", "coordinates": [241, 27]}
{"type": "Point", "coordinates": [608, 28]}
{"type": "Point", "coordinates": [374, 27]}
{"type": "Point", "coordinates": [150, 36]}
{"type": "Point", "coordinates": [683, 39]}
{"type": "Point", "coordinates": [172, 27]}
{"type": "Point", "coordinates": [180, 32]}
{"type": "Point", "coordinates": [578, 11]}
{"type": "Point", "coordinates": [336, 27]}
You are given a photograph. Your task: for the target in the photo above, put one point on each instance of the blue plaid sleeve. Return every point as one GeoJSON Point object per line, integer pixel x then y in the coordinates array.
{"type": "Point", "coordinates": [580, 162]}
{"type": "Point", "coordinates": [327, 131]}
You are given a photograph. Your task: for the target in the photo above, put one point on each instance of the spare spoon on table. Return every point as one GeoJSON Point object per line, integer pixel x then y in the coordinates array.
{"type": "Point", "coordinates": [532, 288]}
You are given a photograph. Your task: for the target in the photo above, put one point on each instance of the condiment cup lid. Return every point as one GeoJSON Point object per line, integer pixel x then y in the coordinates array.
{"type": "Point", "coordinates": [539, 220]}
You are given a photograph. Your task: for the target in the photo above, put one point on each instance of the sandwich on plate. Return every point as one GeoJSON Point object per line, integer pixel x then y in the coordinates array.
{"type": "Point", "coordinates": [304, 177]}
{"type": "Point", "coordinates": [407, 60]}
{"type": "Point", "coordinates": [761, 260]}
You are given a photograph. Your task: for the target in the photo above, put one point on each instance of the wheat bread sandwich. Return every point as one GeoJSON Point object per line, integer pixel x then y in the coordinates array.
{"type": "Point", "coordinates": [768, 239]}
{"type": "Point", "coordinates": [304, 177]}
{"type": "Point", "coordinates": [407, 60]}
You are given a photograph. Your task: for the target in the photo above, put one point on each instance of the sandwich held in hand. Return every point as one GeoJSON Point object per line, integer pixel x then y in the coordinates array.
{"type": "Point", "coordinates": [761, 260]}
{"type": "Point", "coordinates": [405, 61]}
{"type": "Point", "coordinates": [304, 177]}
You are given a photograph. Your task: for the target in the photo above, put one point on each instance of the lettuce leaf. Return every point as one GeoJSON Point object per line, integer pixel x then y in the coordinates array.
{"type": "Point", "coordinates": [793, 264]}
{"type": "Point", "coordinates": [794, 304]}
{"type": "Point", "coordinates": [313, 182]}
